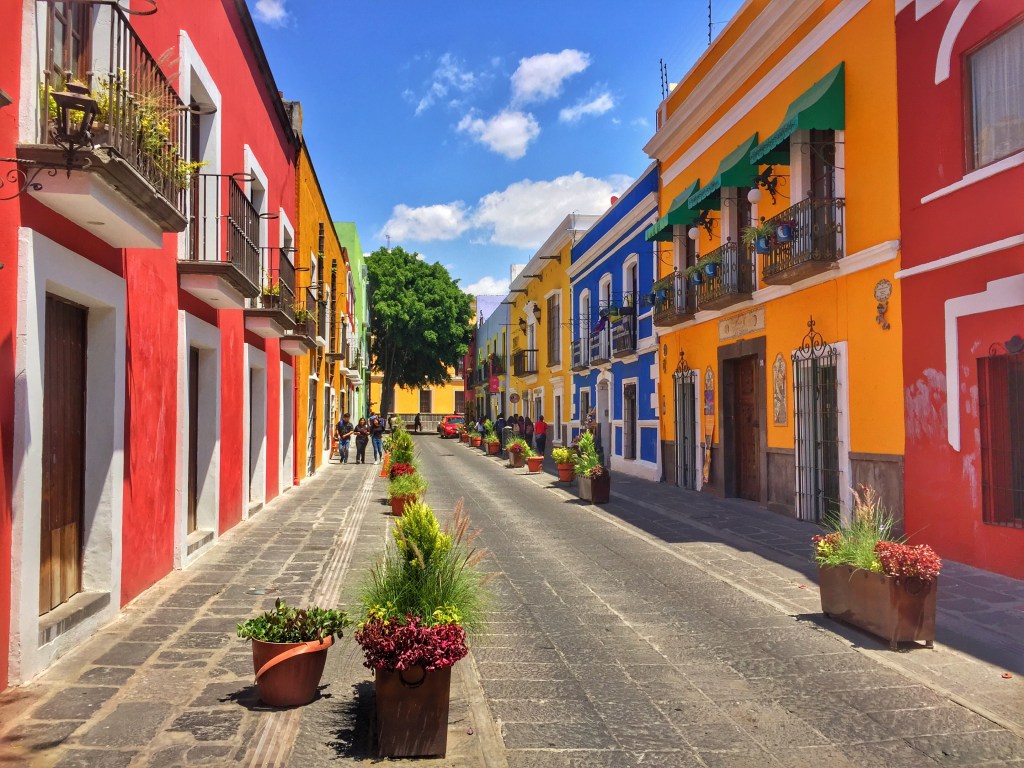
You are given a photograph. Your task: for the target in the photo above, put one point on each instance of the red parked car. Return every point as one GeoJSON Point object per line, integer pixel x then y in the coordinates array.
{"type": "Point", "coordinates": [450, 425]}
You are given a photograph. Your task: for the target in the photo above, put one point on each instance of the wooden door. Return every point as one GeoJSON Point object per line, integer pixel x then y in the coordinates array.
{"type": "Point", "coordinates": [193, 439]}
{"type": "Point", "coordinates": [748, 485]}
{"type": "Point", "coordinates": [60, 535]}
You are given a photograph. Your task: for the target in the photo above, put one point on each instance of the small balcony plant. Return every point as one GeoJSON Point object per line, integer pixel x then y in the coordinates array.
{"type": "Point", "coordinates": [289, 650]}
{"type": "Point", "coordinates": [709, 264]}
{"type": "Point", "coordinates": [759, 236]}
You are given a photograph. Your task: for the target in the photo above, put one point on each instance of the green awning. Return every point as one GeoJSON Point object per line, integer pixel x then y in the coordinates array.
{"type": "Point", "coordinates": [822, 106]}
{"type": "Point", "coordinates": [678, 214]}
{"type": "Point", "coordinates": [735, 170]}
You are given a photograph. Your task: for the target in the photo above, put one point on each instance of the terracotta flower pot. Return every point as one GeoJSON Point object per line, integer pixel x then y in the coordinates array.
{"type": "Point", "coordinates": [896, 609]}
{"type": "Point", "coordinates": [398, 503]}
{"type": "Point", "coordinates": [493, 448]}
{"type": "Point", "coordinates": [463, 438]}
{"type": "Point", "coordinates": [475, 441]}
{"type": "Point", "coordinates": [385, 465]}
{"type": "Point", "coordinates": [565, 473]}
{"type": "Point", "coordinates": [516, 459]}
{"type": "Point", "coordinates": [412, 712]}
{"type": "Point", "coordinates": [287, 674]}
{"type": "Point", "coordinates": [535, 463]}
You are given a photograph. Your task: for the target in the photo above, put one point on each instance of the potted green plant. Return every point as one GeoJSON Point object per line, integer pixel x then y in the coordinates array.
{"type": "Point", "coordinates": [518, 450]}
{"type": "Point", "coordinates": [694, 274]}
{"type": "Point", "coordinates": [534, 460]}
{"type": "Point", "coordinates": [709, 264]}
{"type": "Point", "coordinates": [419, 602]}
{"type": "Point", "coordinates": [492, 441]}
{"type": "Point", "coordinates": [758, 235]}
{"type": "Point", "coordinates": [584, 463]}
{"type": "Point", "coordinates": [289, 650]}
{"type": "Point", "coordinates": [867, 577]}
{"type": "Point", "coordinates": [562, 457]}
{"type": "Point", "coordinates": [784, 231]}
{"type": "Point", "coordinates": [405, 489]}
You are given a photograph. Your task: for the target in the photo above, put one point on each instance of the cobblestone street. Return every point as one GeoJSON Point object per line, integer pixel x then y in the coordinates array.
{"type": "Point", "coordinates": [664, 629]}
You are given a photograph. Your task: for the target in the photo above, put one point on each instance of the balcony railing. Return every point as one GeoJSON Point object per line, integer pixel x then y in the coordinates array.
{"type": "Point", "coordinates": [624, 336]}
{"type": "Point", "coordinates": [321, 318]}
{"type": "Point", "coordinates": [812, 244]}
{"type": "Point", "coordinates": [145, 121]}
{"type": "Point", "coordinates": [279, 292]}
{"type": "Point", "coordinates": [580, 354]}
{"type": "Point", "coordinates": [674, 301]}
{"type": "Point", "coordinates": [733, 283]}
{"type": "Point", "coordinates": [600, 347]}
{"type": "Point", "coordinates": [224, 232]}
{"type": "Point", "coordinates": [309, 326]}
{"type": "Point", "coordinates": [524, 362]}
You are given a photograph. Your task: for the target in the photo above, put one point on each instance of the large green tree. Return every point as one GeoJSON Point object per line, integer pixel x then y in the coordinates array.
{"type": "Point", "coordinates": [419, 321]}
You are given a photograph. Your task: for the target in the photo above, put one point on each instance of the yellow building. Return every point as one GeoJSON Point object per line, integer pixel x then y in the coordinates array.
{"type": "Point", "coordinates": [540, 325]}
{"type": "Point", "coordinates": [431, 403]}
{"type": "Point", "coordinates": [321, 306]}
{"type": "Point", "coordinates": [781, 378]}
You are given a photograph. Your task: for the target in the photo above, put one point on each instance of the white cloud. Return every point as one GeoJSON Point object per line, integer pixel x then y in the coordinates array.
{"type": "Point", "coordinates": [596, 106]}
{"type": "Point", "coordinates": [448, 78]}
{"type": "Point", "coordinates": [539, 78]}
{"type": "Point", "coordinates": [427, 222]}
{"type": "Point", "coordinates": [507, 133]}
{"type": "Point", "coordinates": [271, 12]}
{"type": "Point", "coordinates": [488, 286]}
{"type": "Point", "coordinates": [525, 213]}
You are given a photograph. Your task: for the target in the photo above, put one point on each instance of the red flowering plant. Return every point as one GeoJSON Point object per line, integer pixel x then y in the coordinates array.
{"type": "Point", "coordinates": [853, 542]}
{"type": "Point", "coordinates": [423, 595]}
{"type": "Point", "coordinates": [401, 468]}
{"type": "Point", "coordinates": [906, 561]}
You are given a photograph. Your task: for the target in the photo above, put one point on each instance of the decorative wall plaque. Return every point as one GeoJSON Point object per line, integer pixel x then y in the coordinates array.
{"type": "Point", "coordinates": [741, 324]}
{"type": "Point", "coordinates": [779, 389]}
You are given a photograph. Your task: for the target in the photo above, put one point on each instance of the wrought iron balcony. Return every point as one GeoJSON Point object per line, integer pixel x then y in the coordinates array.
{"type": "Point", "coordinates": [274, 310]}
{"type": "Point", "coordinates": [808, 240]}
{"type": "Point", "coordinates": [580, 354]}
{"type": "Point", "coordinates": [303, 338]}
{"type": "Point", "coordinates": [674, 301]}
{"type": "Point", "coordinates": [734, 281]}
{"type": "Point", "coordinates": [624, 336]}
{"type": "Point", "coordinates": [600, 347]}
{"type": "Point", "coordinates": [222, 263]}
{"type": "Point", "coordinates": [524, 362]}
{"type": "Point", "coordinates": [135, 148]}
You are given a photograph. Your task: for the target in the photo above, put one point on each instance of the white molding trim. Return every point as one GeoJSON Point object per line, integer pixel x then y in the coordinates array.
{"type": "Point", "coordinates": [193, 332]}
{"type": "Point", "coordinates": [644, 211]}
{"type": "Point", "coordinates": [944, 57]}
{"type": "Point", "coordinates": [974, 177]}
{"type": "Point", "coordinates": [286, 426]}
{"type": "Point", "coordinates": [998, 294]}
{"type": "Point", "coordinates": [47, 267]}
{"type": "Point", "coordinates": [786, 18]}
{"type": "Point", "coordinates": [254, 493]}
{"type": "Point", "coordinates": [957, 258]}
{"type": "Point", "coordinates": [595, 263]}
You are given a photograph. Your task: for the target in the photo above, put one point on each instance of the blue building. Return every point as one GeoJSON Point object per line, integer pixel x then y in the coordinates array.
{"type": "Point", "coordinates": [491, 376]}
{"type": "Point", "coordinates": [614, 348]}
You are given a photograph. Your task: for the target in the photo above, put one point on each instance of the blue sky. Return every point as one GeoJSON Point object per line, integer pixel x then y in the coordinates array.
{"type": "Point", "coordinates": [467, 130]}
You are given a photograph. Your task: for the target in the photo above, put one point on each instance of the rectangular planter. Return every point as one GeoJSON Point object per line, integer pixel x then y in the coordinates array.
{"type": "Point", "coordinates": [584, 488]}
{"type": "Point", "coordinates": [412, 712]}
{"type": "Point", "coordinates": [596, 490]}
{"type": "Point", "coordinates": [895, 609]}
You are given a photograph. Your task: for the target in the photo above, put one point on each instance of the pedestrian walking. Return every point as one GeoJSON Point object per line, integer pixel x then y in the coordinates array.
{"type": "Point", "coordinates": [377, 437]}
{"type": "Point", "coordinates": [343, 431]}
{"type": "Point", "coordinates": [362, 433]}
{"type": "Point", "coordinates": [417, 424]}
{"type": "Point", "coordinates": [540, 433]}
{"type": "Point", "coordinates": [499, 427]}
{"type": "Point", "coordinates": [528, 432]}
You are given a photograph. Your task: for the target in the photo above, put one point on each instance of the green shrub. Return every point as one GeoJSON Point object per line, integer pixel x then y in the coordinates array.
{"type": "Point", "coordinates": [407, 485]}
{"type": "Point", "coordinates": [854, 544]}
{"type": "Point", "coordinates": [562, 455]}
{"type": "Point", "coordinates": [294, 625]}
{"type": "Point", "coordinates": [586, 458]}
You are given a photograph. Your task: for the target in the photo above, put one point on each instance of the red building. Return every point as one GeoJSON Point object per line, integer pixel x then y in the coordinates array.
{"type": "Point", "coordinates": [145, 405]}
{"type": "Point", "coordinates": [961, 134]}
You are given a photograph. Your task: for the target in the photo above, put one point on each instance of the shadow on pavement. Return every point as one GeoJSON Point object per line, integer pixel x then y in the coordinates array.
{"type": "Point", "coordinates": [352, 724]}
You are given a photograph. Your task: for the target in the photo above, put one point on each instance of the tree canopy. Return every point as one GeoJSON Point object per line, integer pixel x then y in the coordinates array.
{"type": "Point", "coordinates": [419, 320]}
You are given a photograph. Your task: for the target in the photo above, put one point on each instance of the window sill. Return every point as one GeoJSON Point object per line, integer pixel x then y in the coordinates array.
{"type": "Point", "coordinates": [975, 176]}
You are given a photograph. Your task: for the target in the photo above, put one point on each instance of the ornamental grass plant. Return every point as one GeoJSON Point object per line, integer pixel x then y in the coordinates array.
{"type": "Point", "coordinates": [424, 594]}
{"type": "Point", "coordinates": [854, 544]}
{"type": "Point", "coordinates": [585, 460]}
{"type": "Point", "coordinates": [411, 484]}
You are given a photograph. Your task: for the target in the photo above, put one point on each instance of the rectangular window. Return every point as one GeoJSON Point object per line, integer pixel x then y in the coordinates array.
{"type": "Point", "coordinates": [460, 401]}
{"type": "Point", "coordinates": [1001, 412]}
{"type": "Point", "coordinates": [996, 97]}
{"type": "Point", "coordinates": [584, 406]}
{"type": "Point", "coordinates": [426, 401]}
{"type": "Point", "coordinates": [629, 421]}
{"type": "Point", "coordinates": [554, 332]}
{"type": "Point", "coordinates": [558, 419]}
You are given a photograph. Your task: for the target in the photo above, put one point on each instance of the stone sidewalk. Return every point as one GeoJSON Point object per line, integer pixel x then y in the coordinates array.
{"type": "Point", "coordinates": [978, 659]}
{"type": "Point", "coordinates": [169, 684]}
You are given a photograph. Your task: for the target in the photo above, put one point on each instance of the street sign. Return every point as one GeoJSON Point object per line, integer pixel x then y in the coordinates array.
{"type": "Point", "coordinates": [513, 398]}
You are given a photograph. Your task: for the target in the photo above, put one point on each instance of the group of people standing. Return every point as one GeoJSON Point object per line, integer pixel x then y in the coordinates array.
{"type": "Point", "coordinates": [364, 433]}
{"type": "Point", "coordinates": [535, 433]}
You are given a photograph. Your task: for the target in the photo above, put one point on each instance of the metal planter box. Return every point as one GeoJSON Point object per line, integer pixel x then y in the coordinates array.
{"type": "Point", "coordinates": [895, 609]}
